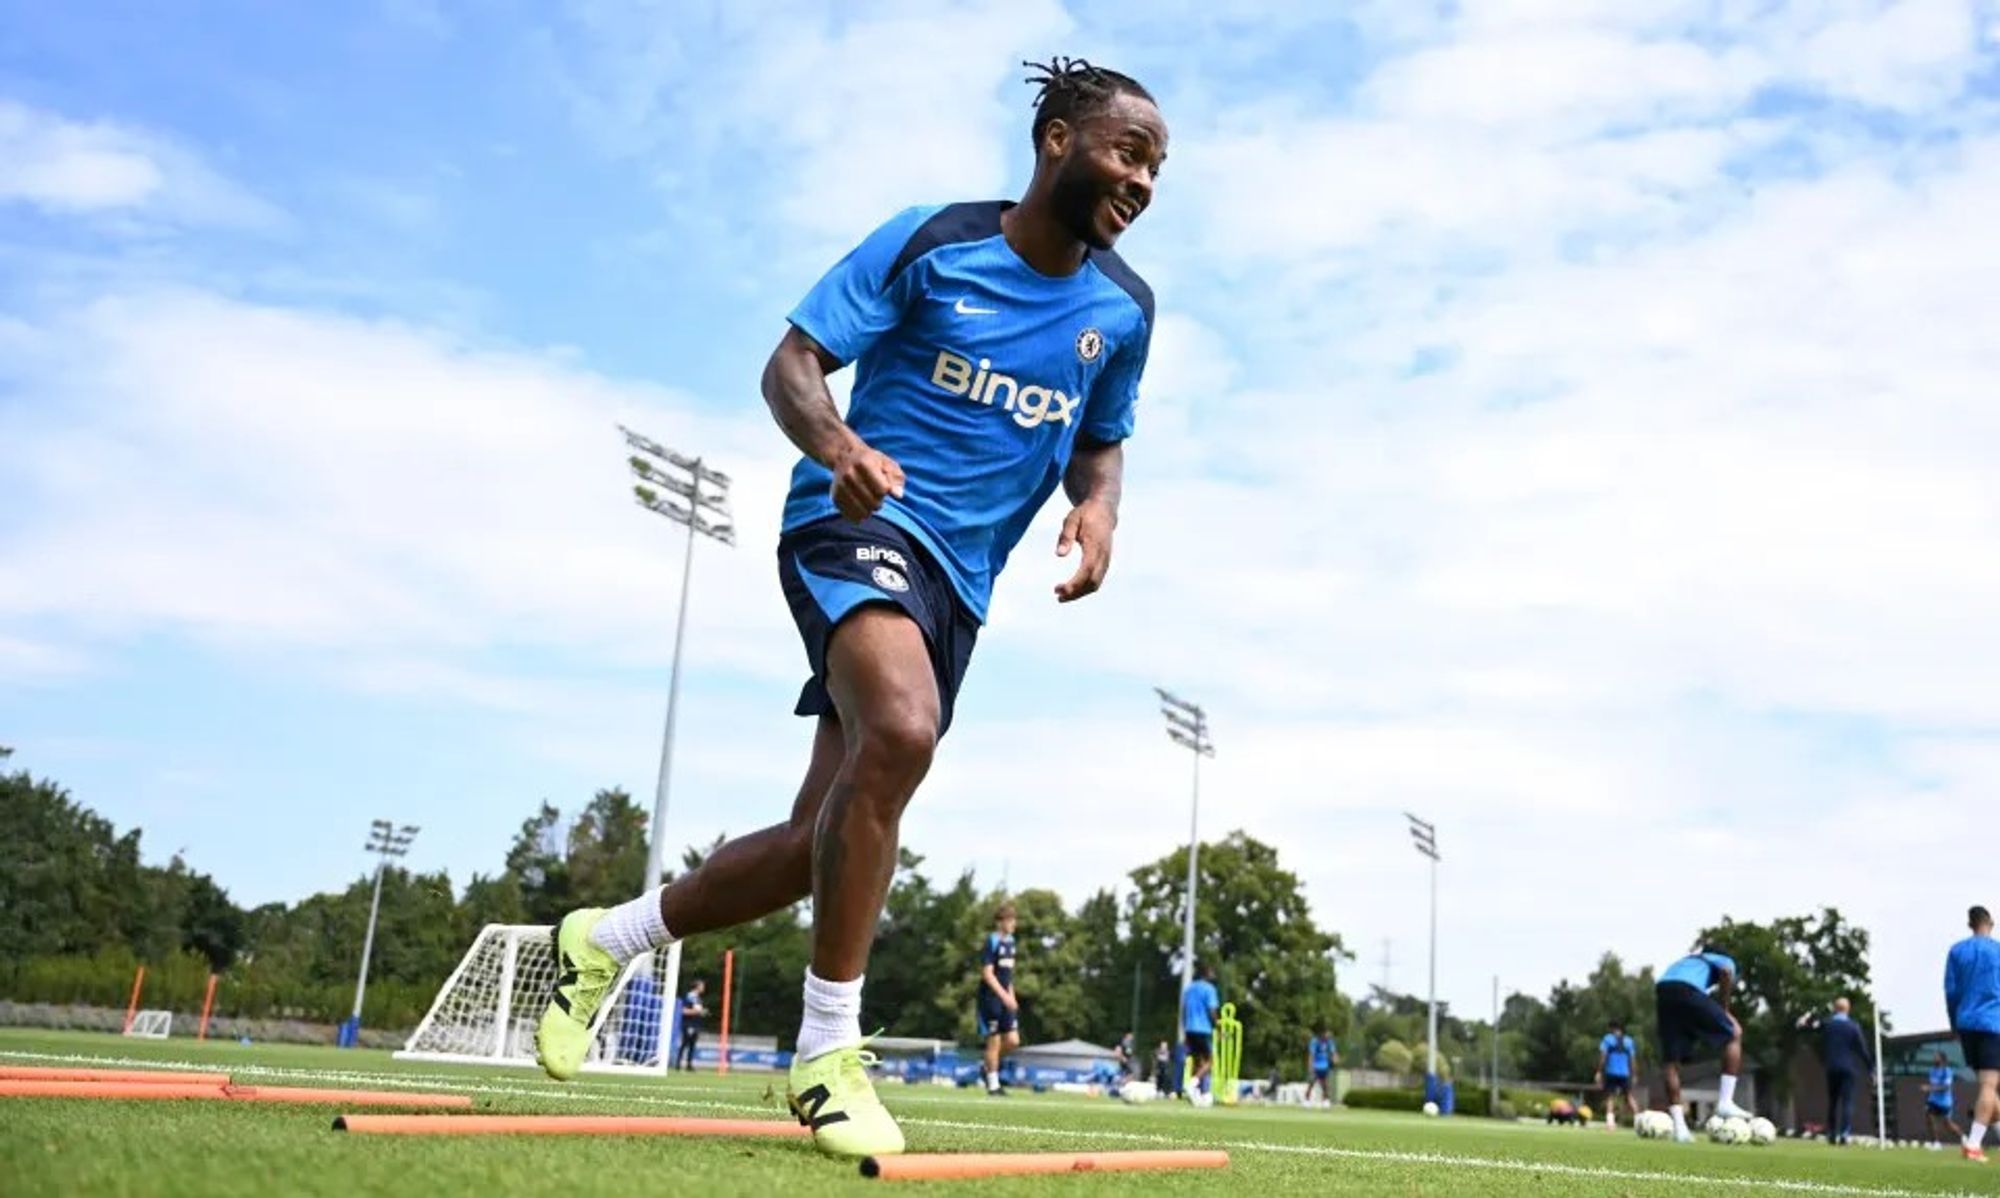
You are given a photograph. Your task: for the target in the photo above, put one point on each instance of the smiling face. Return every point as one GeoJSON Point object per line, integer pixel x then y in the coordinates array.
{"type": "Point", "coordinates": [1105, 167]}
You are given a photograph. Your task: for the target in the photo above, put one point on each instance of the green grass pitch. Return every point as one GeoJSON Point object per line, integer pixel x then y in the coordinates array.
{"type": "Point", "coordinates": [87, 1147]}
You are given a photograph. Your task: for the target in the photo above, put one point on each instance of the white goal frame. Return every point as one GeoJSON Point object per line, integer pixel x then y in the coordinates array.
{"type": "Point", "coordinates": [152, 1025]}
{"type": "Point", "coordinates": [505, 1035]}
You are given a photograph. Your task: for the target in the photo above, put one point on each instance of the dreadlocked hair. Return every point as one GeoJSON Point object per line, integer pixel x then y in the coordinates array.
{"type": "Point", "coordinates": [1069, 89]}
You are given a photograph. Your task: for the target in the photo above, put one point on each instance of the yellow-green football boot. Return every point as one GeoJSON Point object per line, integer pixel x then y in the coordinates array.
{"type": "Point", "coordinates": [584, 973]}
{"type": "Point", "coordinates": [833, 1095]}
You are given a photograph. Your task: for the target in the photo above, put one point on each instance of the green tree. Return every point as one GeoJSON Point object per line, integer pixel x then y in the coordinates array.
{"type": "Point", "coordinates": [538, 862]}
{"type": "Point", "coordinates": [605, 858]}
{"type": "Point", "coordinates": [1394, 1055]}
{"type": "Point", "coordinates": [1272, 959]}
{"type": "Point", "coordinates": [768, 968]}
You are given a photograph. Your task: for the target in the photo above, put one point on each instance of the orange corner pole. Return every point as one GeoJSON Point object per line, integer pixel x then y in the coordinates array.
{"type": "Point", "coordinates": [949, 1166]}
{"type": "Point", "coordinates": [207, 1004]}
{"type": "Point", "coordinates": [565, 1125]}
{"type": "Point", "coordinates": [132, 1008]}
{"type": "Point", "coordinates": [154, 1077]}
{"type": "Point", "coordinates": [728, 975]}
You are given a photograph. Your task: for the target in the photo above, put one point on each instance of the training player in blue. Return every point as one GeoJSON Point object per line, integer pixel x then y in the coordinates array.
{"type": "Point", "coordinates": [997, 1013]}
{"type": "Point", "coordinates": [1322, 1054]}
{"type": "Point", "coordinates": [1972, 996]}
{"type": "Point", "coordinates": [1200, 1004]}
{"type": "Point", "coordinates": [1938, 1089]}
{"type": "Point", "coordinates": [1690, 1016]}
{"type": "Point", "coordinates": [1617, 1069]}
{"type": "Point", "coordinates": [997, 350]}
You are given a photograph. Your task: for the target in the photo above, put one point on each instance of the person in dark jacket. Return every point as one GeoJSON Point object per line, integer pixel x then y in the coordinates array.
{"type": "Point", "coordinates": [1844, 1053]}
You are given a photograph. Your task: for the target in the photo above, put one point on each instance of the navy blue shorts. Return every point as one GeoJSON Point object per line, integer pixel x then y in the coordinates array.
{"type": "Point", "coordinates": [831, 567]}
{"type": "Point", "coordinates": [1617, 1085]}
{"type": "Point", "coordinates": [992, 1016]}
{"type": "Point", "coordinates": [1199, 1044]}
{"type": "Point", "coordinates": [1688, 1018]}
{"type": "Point", "coordinates": [1982, 1050]}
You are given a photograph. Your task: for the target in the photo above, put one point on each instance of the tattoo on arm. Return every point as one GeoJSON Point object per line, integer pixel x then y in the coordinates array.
{"type": "Point", "coordinates": [794, 386]}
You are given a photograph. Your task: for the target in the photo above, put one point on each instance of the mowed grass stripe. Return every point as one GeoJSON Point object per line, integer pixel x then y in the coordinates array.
{"type": "Point", "coordinates": [620, 1090]}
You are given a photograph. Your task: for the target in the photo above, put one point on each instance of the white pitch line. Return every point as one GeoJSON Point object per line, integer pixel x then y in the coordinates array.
{"type": "Point", "coordinates": [1390, 1155]}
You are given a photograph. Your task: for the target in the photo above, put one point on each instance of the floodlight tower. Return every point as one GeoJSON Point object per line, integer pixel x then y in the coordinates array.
{"type": "Point", "coordinates": [697, 498]}
{"type": "Point", "coordinates": [386, 841]}
{"type": "Point", "coordinates": [1187, 726]}
{"type": "Point", "coordinates": [1423, 838]}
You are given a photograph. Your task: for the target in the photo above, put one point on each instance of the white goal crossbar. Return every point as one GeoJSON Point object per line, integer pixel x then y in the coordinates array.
{"type": "Point", "coordinates": [486, 1012]}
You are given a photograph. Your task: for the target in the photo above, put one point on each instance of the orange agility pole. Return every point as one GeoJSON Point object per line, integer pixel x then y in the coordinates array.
{"type": "Point", "coordinates": [307, 1094]}
{"type": "Point", "coordinates": [952, 1166]}
{"type": "Point", "coordinates": [728, 972]}
{"type": "Point", "coordinates": [132, 1008]}
{"type": "Point", "coordinates": [154, 1092]}
{"type": "Point", "coordinates": [564, 1125]}
{"type": "Point", "coordinates": [207, 1004]}
{"type": "Point", "coordinates": [153, 1077]}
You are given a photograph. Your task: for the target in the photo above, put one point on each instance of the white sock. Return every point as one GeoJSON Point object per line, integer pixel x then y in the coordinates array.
{"type": "Point", "coordinates": [832, 1016]}
{"type": "Point", "coordinates": [993, 1081]}
{"type": "Point", "coordinates": [632, 928]}
{"type": "Point", "coordinates": [1728, 1090]}
{"type": "Point", "coordinates": [1680, 1119]}
{"type": "Point", "coordinates": [1976, 1137]}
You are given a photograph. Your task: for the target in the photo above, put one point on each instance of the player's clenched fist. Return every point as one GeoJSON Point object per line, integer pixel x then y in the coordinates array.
{"type": "Point", "coordinates": [862, 478]}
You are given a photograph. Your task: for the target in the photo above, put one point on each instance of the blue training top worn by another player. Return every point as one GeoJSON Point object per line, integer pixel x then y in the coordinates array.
{"type": "Point", "coordinates": [1972, 985]}
{"type": "Point", "coordinates": [1322, 1053]}
{"type": "Point", "coordinates": [1941, 1075]}
{"type": "Point", "coordinates": [1617, 1052]}
{"type": "Point", "coordinates": [1198, 1007]}
{"type": "Point", "coordinates": [999, 953]}
{"type": "Point", "coordinates": [976, 373]}
{"type": "Point", "coordinates": [1699, 970]}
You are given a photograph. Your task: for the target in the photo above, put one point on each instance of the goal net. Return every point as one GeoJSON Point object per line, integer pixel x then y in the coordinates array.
{"type": "Point", "coordinates": [151, 1025]}
{"type": "Point", "coordinates": [487, 1010]}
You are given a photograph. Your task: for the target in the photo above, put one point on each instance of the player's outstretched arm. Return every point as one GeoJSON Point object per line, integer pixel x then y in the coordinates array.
{"type": "Point", "coordinates": [795, 391]}
{"type": "Point", "coordinates": [1095, 482]}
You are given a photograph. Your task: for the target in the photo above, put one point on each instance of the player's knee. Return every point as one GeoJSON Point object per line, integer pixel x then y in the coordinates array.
{"type": "Point", "coordinates": [1013, 1039]}
{"type": "Point", "coordinates": [896, 745]}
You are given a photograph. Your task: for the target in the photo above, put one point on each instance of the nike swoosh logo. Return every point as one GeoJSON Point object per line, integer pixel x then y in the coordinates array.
{"type": "Point", "coordinates": [963, 309]}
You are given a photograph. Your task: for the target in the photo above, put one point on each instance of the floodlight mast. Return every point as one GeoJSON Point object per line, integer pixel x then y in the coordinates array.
{"type": "Point", "coordinates": [1187, 726]}
{"type": "Point", "coordinates": [1423, 838]}
{"type": "Point", "coordinates": [385, 840]}
{"type": "Point", "coordinates": [697, 498]}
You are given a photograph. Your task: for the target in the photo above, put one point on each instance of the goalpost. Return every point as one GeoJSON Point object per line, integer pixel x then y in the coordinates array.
{"type": "Point", "coordinates": [486, 1012]}
{"type": "Point", "coordinates": [151, 1025]}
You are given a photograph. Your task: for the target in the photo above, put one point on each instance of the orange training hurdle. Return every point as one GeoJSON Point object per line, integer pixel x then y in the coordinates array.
{"type": "Point", "coordinates": [565, 1125]}
{"type": "Point", "coordinates": [155, 1077]}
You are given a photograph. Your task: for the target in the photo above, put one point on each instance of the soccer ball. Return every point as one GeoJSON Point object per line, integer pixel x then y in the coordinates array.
{"type": "Point", "coordinates": [1202, 1098]}
{"type": "Point", "coordinates": [1763, 1131]}
{"type": "Point", "coordinates": [1138, 1092]}
{"type": "Point", "coordinates": [1653, 1125]}
{"type": "Point", "coordinates": [1713, 1125]}
{"type": "Point", "coordinates": [1731, 1131]}
{"type": "Point", "coordinates": [1430, 1108]}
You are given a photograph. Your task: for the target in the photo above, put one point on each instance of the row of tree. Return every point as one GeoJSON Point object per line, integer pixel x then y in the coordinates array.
{"type": "Point", "coordinates": [78, 907]}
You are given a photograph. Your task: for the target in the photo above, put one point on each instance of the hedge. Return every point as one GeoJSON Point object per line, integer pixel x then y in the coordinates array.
{"type": "Point", "coordinates": [1473, 1101]}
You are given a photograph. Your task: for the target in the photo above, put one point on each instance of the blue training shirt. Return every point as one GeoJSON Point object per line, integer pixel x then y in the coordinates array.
{"type": "Point", "coordinates": [1617, 1052]}
{"type": "Point", "coordinates": [1322, 1052]}
{"type": "Point", "coordinates": [976, 373]}
{"type": "Point", "coordinates": [1972, 985]}
{"type": "Point", "coordinates": [1941, 1075]}
{"type": "Point", "coordinates": [1199, 1004]}
{"type": "Point", "coordinates": [999, 953]}
{"type": "Point", "coordinates": [1699, 970]}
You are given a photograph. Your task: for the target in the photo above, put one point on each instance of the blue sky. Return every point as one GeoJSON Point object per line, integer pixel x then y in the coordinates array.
{"type": "Point", "coordinates": [1569, 420]}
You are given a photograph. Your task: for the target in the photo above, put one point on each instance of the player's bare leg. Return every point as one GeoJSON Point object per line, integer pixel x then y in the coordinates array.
{"type": "Point", "coordinates": [1985, 1113]}
{"type": "Point", "coordinates": [879, 675]}
{"type": "Point", "coordinates": [765, 871]}
{"type": "Point", "coordinates": [1671, 1073]}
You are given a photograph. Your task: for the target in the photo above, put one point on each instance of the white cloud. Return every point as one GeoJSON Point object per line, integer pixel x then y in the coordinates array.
{"type": "Point", "coordinates": [102, 168]}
